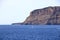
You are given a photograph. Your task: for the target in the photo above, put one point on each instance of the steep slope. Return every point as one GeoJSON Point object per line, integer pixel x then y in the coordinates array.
{"type": "Point", "coordinates": [48, 15]}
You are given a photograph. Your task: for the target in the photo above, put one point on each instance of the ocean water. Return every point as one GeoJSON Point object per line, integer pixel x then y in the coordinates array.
{"type": "Point", "coordinates": [29, 32]}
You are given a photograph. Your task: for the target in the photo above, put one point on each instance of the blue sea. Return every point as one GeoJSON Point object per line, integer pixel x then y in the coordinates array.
{"type": "Point", "coordinates": [29, 32]}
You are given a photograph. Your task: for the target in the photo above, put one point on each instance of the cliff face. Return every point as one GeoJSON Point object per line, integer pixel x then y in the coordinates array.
{"type": "Point", "coordinates": [48, 16]}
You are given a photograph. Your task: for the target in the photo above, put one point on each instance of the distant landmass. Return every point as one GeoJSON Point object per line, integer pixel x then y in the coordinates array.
{"type": "Point", "coordinates": [46, 16]}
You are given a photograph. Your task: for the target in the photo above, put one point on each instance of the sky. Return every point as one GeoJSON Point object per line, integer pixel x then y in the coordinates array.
{"type": "Point", "coordinates": [15, 11]}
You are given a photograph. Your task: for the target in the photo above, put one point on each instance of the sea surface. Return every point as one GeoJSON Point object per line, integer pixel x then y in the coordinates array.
{"type": "Point", "coordinates": [29, 32]}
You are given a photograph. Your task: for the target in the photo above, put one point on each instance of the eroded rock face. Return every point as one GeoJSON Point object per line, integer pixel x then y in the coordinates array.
{"type": "Point", "coordinates": [48, 16]}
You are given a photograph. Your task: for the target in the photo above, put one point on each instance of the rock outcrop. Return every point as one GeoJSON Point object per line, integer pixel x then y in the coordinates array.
{"type": "Point", "coordinates": [48, 16]}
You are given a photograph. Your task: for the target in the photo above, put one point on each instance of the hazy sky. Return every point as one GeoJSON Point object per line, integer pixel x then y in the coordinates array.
{"type": "Point", "coordinates": [12, 11]}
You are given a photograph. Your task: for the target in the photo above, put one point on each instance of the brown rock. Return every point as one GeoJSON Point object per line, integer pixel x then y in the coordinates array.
{"type": "Point", "coordinates": [48, 16]}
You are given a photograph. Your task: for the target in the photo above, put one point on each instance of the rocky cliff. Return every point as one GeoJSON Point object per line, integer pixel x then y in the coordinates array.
{"type": "Point", "coordinates": [48, 16]}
